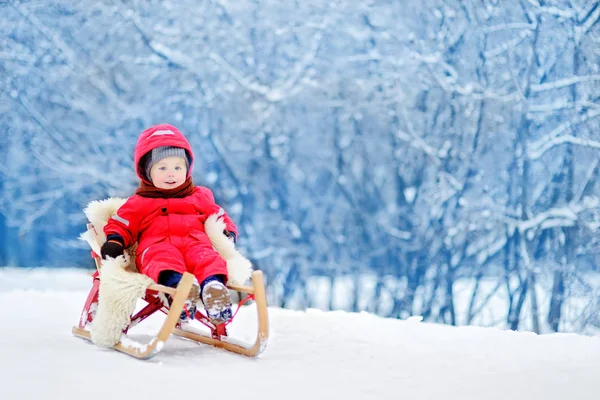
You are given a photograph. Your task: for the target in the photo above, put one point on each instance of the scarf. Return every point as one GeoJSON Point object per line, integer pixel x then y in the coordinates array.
{"type": "Point", "coordinates": [149, 190]}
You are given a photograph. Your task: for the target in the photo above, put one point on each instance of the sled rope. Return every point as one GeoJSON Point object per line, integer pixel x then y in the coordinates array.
{"type": "Point", "coordinates": [250, 296]}
{"type": "Point", "coordinates": [187, 312]}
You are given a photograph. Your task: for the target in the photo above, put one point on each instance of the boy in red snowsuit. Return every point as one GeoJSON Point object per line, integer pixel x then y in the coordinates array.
{"type": "Point", "coordinates": [166, 218]}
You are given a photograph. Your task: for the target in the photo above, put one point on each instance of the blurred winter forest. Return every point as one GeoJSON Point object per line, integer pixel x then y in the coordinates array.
{"type": "Point", "coordinates": [433, 158]}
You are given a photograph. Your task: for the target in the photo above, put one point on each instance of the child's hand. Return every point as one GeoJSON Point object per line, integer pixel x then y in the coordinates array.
{"type": "Point", "coordinates": [111, 248]}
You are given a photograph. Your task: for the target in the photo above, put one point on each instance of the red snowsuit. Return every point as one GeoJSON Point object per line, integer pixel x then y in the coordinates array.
{"type": "Point", "coordinates": [169, 231]}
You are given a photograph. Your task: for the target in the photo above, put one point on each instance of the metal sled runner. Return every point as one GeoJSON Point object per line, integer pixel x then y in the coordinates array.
{"type": "Point", "coordinates": [155, 299]}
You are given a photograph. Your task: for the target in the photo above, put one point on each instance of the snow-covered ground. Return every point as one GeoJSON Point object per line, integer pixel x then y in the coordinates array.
{"type": "Point", "coordinates": [311, 355]}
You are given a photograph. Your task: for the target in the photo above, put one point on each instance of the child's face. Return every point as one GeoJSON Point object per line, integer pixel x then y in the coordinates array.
{"type": "Point", "coordinates": [168, 173]}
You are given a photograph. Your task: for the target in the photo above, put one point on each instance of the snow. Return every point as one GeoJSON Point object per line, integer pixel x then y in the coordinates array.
{"type": "Point", "coordinates": [310, 355]}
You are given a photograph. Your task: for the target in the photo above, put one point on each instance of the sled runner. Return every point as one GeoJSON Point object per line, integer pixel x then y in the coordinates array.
{"type": "Point", "coordinates": [155, 297]}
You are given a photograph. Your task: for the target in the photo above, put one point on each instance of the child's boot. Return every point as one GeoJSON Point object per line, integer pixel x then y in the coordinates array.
{"type": "Point", "coordinates": [216, 300]}
{"type": "Point", "coordinates": [189, 307]}
{"type": "Point", "coordinates": [171, 279]}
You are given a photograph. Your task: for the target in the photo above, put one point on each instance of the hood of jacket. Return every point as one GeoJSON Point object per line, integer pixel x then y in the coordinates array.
{"type": "Point", "coordinates": [157, 136]}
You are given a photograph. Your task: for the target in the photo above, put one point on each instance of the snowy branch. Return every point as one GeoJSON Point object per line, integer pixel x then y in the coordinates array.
{"type": "Point", "coordinates": [555, 217]}
{"type": "Point", "coordinates": [591, 17]}
{"type": "Point", "coordinates": [420, 144]}
{"type": "Point", "coordinates": [538, 148]}
{"type": "Point", "coordinates": [511, 44]}
{"type": "Point", "coordinates": [593, 144]}
{"type": "Point", "coordinates": [564, 83]}
{"type": "Point", "coordinates": [509, 26]}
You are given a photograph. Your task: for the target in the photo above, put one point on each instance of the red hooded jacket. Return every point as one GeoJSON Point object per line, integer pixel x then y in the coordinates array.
{"type": "Point", "coordinates": [151, 220]}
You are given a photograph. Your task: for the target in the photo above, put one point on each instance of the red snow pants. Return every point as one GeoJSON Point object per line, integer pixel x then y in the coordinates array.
{"type": "Point", "coordinates": [197, 258]}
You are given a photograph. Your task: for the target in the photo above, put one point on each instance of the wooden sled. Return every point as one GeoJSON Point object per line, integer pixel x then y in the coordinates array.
{"type": "Point", "coordinates": [218, 332]}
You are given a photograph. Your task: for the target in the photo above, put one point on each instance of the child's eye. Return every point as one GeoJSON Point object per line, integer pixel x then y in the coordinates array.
{"type": "Point", "coordinates": [177, 168]}
{"type": "Point", "coordinates": [162, 168]}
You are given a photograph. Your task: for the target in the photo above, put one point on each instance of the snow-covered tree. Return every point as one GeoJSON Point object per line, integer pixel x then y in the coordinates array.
{"type": "Point", "coordinates": [384, 156]}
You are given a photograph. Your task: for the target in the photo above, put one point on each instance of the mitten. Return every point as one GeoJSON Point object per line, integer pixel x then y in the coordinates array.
{"type": "Point", "coordinates": [230, 235]}
{"type": "Point", "coordinates": [113, 247]}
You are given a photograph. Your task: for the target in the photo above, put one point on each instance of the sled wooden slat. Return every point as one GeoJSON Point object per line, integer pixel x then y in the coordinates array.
{"type": "Point", "coordinates": [263, 325]}
{"type": "Point", "coordinates": [163, 289]}
{"type": "Point", "coordinates": [155, 345]}
{"type": "Point", "coordinates": [142, 352]}
{"type": "Point", "coordinates": [243, 289]}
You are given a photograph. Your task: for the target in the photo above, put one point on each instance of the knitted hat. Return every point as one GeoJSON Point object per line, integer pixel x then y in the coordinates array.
{"type": "Point", "coordinates": [161, 152]}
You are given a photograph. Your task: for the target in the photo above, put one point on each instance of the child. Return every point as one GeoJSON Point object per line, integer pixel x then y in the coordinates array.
{"type": "Point", "coordinates": [166, 218]}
